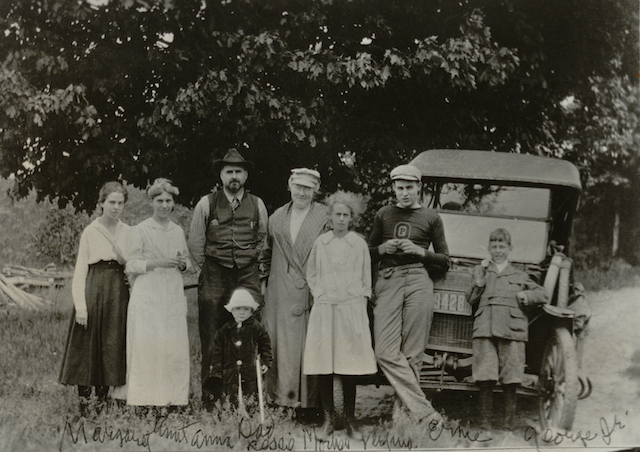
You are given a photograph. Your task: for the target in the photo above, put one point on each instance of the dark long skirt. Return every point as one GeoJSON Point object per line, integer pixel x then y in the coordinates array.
{"type": "Point", "coordinates": [96, 356]}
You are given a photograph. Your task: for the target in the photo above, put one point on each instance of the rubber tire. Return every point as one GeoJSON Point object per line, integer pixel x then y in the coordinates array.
{"type": "Point", "coordinates": [558, 381]}
{"type": "Point", "coordinates": [338, 402]}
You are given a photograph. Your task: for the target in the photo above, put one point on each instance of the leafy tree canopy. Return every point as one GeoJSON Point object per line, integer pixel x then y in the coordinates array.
{"type": "Point", "coordinates": [135, 89]}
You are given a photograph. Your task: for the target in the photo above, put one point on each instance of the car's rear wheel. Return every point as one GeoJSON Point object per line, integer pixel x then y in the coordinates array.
{"type": "Point", "coordinates": [558, 381]}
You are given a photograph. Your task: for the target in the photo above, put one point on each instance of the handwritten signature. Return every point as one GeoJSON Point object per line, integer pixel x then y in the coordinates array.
{"type": "Point", "coordinates": [556, 437]}
{"type": "Point", "coordinates": [257, 437]}
{"type": "Point", "coordinates": [436, 429]}
{"type": "Point", "coordinates": [181, 435]}
{"type": "Point", "coordinates": [311, 441]}
{"type": "Point", "coordinates": [261, 437]}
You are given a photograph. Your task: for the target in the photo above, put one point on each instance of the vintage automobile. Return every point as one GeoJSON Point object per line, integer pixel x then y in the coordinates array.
{"type": "Point", "coordinates": [534, 198]}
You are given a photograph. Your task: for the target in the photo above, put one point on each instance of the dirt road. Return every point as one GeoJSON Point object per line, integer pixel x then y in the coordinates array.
{"type": "Point", "coordinates": [609, 418]}
{"type": "Point", "coordinates": [612, 362]}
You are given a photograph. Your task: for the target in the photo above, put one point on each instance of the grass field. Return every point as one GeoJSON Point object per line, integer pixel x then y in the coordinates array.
{"type": "Point", "coordinates": [38, 413]}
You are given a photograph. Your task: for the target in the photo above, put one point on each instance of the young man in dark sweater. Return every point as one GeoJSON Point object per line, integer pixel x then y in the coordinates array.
{"type": "Point", "coordinates": [399, 243]}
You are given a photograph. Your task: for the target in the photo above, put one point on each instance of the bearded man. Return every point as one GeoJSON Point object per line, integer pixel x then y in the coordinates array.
{"type": "Point", "coordinates": [227, 233]}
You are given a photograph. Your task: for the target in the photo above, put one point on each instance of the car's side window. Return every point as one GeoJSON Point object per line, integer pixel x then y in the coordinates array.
{"type": "Point", "coordinates": [485, 199]}
{"type": "Point", "coordinates": [470, 211]}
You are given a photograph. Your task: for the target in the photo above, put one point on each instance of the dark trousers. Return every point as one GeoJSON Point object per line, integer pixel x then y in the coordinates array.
{"type": "Point", "coordinates": [215, 287]}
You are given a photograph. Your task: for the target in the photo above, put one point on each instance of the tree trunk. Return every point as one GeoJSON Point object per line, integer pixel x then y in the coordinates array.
{"type": "Point", "coordinates": [616, 232]}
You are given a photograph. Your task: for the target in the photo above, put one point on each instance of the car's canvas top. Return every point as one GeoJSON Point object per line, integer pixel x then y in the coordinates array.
{"type": "Point", "coordinates": [497, 166]}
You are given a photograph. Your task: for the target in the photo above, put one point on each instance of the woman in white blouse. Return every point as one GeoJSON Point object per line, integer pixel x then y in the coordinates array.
{"type": "Point", "coordinates": [157, 340]}
{"type": "Point", "coordinates": [95, 351]}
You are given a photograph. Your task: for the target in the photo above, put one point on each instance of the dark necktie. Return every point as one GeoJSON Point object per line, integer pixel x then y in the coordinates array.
{"type": "Point", "coordinates": [234, 204]}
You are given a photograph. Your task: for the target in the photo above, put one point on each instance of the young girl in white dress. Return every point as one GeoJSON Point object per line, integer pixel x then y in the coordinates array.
{"type": "Point", "coordinates": [157, 339]}
{"type": "Point", "coordinates": [338, 343]}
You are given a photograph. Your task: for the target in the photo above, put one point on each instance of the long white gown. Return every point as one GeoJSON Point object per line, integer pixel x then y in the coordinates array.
{"type": "Point", "coordinates": [157, 338]}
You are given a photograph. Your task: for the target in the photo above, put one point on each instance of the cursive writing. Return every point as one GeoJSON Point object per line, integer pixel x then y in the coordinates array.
{"type": "Point", "coordinates": [261, 437]}
{"type": "Point", "coordinates": [388, 441]}
{"type": "Point", "coordinates": [311, 439]}
{"type": "Point", "coordinates": [436, 429]}
{"type": "Point", "coordinates": [104, 433]}
{"type": "Point", "coordinates": [607, 430]}
{"type": "Point", "coordinates": [178, 435]}
{"type": "Point", "coordinates": [554, 436]}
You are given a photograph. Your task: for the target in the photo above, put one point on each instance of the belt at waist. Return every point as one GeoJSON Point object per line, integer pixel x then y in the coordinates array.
{"type": "Point", "coordinates": [394, 268]}
{"type": "Point", "coordinates": [343, 301]}
{"type": "Point", "coordinates": [386, 272]}
{"type": "Point", "coordinates": [227, 263]}
{"type": "Point", "coordinates": [107, 264]}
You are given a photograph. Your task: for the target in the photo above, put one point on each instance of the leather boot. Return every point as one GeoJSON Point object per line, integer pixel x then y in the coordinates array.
{"type": "Point", "coordinates": [84, 407]}
{"type": "Point", "coordinates": [485, 404]}
{"type": "Point", "coordinates": [84, 393]}
{"type": "Point", "coordinates": [510, 406]}
{"type": "Point", "coordinates": [349, 389]}
{"type": "Point", "coordinates": [102, 403]}
{"type": "Point", "coordinates": [325, 383]}
{"type": "Point", "coordinates": [327, 427]}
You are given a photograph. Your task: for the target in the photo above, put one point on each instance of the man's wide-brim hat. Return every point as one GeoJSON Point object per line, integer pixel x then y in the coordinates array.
{"type": "Point", "coordinates": [241, 298]}
{"type": "Point", "coordinates": [232, 157]}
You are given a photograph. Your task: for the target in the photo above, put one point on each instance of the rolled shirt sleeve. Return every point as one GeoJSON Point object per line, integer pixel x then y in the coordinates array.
{"type": "Point", "coordinates": [79, 283]}
{"type": "Point", "coordinates": [136, 264]}
{"type": "Point", "coordinates": [198, 231]}
{"type": "Point", "coordinates": [263, 227]}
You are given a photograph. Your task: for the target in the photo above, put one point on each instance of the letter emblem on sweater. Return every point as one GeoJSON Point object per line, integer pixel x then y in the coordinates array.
{"type": "Point", "coordinates": [402, 231]}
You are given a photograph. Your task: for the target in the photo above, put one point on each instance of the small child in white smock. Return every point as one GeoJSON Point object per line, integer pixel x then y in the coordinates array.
{"type": "Point", "coordinates": [338, 342]}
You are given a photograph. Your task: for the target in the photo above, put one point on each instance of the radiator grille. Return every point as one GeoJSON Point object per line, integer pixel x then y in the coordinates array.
{"type": "Point", "coordinates": [451, 333]}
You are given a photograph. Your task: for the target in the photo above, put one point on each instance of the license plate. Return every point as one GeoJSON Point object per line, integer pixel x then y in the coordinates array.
{"type": "Point", "coordinates": [451, 303]}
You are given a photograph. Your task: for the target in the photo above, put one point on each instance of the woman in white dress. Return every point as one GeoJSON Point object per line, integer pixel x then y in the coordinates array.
{"type": "Point", "coordinates": [157, 339]}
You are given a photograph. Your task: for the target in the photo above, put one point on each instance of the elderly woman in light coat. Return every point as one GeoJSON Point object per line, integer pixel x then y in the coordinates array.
{"type": "Point", "coordinates": [293, 228]}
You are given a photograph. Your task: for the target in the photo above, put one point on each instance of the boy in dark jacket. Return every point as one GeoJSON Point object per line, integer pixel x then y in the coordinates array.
{"type": "Point", "coordinates": [235, 348]}
{"type": "Point", "coordinates": [500, 326]}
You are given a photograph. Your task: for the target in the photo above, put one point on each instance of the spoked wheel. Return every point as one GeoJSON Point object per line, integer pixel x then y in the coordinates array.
{"type": "Point", "coordinates": [338, 402]}
{"type": "Point", "coordinates": [559, 384]}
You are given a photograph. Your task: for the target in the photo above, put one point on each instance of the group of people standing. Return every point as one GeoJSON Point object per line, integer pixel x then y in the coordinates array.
{"type": "Point", "coordinates": [301, 273]}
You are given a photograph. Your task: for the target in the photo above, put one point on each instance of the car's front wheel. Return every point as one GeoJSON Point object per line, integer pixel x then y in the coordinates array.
{"type": "Point", "coordinates": [558, 381]}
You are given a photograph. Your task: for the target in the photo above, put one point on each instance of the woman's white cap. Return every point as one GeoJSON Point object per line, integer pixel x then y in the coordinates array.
{"type": "Point", "coordinates": [305, 177]}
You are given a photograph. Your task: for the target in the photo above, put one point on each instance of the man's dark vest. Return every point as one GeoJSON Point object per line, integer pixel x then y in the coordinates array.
{"type": "Point", "coordinates": [232, 236]}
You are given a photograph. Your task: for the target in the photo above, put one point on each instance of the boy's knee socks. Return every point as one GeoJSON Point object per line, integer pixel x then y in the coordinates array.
{"type": "Point", "coordinates": [510, 404]}
{"type": "Point", "coordinates": [485, 403]}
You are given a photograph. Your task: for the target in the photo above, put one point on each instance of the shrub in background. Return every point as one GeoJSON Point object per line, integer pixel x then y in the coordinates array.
{"type": "Point", "coordinates": [57, 235]}
{"type": "Point", "coordinates": [18, 220]}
